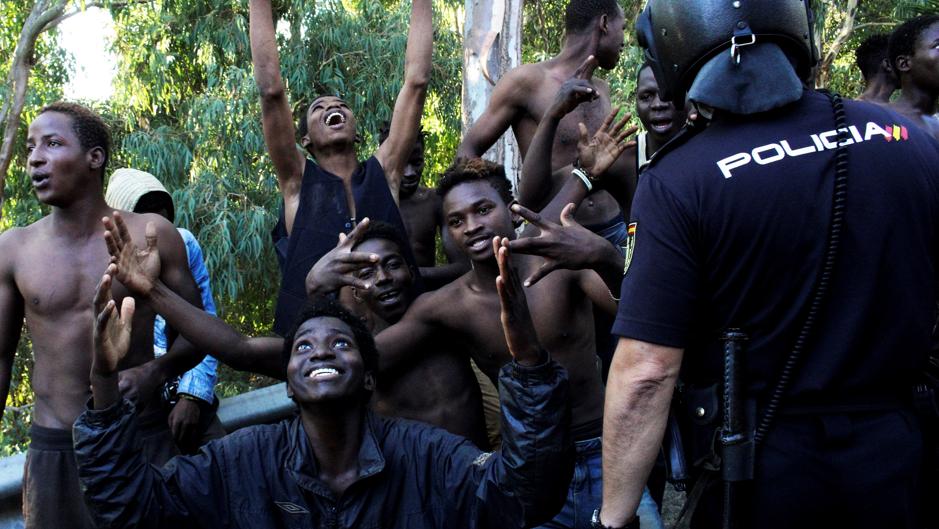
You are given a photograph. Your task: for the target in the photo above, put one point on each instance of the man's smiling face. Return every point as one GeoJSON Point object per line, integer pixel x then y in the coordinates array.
{"type": "Point", "coordinates": [325, 363]}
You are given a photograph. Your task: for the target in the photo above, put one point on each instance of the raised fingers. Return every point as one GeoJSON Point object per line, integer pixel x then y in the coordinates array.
{"type": "Point", "coordinates": [355, 236]}
{"type": "Point", "coordinates": [609, 119]}
{"type": "Point", "coordinates": [103, 292]}
{"type": "Point", "coordinates": [102, 318]}
{"type": "Point", "coordinates": [128, 306]}
{"type": "Point", "coordinates": [621, 123]}
{"type": "Point", "coordinates": [625, 134]}
{"type": "Point", "coordinates": [112, 236]}
{"type": "Point", "coordinates": [540, 273]}
{"type": "Point", "coordinates": [351, 261]}
{"type": "Point", "coordinates": [111, 243]}
{"type": "Point", "coordinates": [529, 215]}
{"type": "Point", "coordinates": [584, 135]}
{"type": "Point", "coordinates": [122, 230]}
{"type": "Point", "coordinates": [528, 245]}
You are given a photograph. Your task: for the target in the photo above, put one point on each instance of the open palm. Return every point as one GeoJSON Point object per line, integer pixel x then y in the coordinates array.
{"type": "Point", "coordinates": [112, 330]}
{"type": "Point", "coordinates": [598, 152]}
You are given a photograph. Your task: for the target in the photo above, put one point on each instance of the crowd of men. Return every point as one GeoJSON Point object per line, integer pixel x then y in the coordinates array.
{"type": "Point", "coordinates": [786, 239]}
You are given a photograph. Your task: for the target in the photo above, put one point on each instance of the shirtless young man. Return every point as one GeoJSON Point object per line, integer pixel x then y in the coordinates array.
{"type": "Point", "coordinates": [438, 388]}
{"type": "Point", "coordinates": [914, 54]}
{"type": "Point", "coordinates": [420, 210]}
{"type": "Point", "coordinates": [48, 274]}
{"type": "Point", "coordinates": [661, 120]}
{"type": "Point", "coordinates": [880, 81]}
{"type": "Point", "coordinates": [327, 197]}
{"type": "Point", "coordinates": [523, 96]}
{"type": "Point", "coordinates": [476, 199]}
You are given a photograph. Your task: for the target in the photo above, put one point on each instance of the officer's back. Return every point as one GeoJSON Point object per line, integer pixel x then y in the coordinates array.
{"type": "Point", "coordinates": [731, 229]}
{"type": "Point", "coordinates": [753, 196]}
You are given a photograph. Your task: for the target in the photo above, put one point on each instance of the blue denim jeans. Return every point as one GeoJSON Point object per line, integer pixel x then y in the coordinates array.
{"type": "Point", "coordinates": [614, 230]}
{"type": "Point", "coordinates": [586, 493]}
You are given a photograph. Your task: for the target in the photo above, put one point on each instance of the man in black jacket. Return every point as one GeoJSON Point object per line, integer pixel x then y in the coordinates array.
{"type": "Point", "coordinates": [337, 464]}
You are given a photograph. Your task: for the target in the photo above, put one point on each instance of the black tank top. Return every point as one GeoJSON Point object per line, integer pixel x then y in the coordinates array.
{"type": "Point", "coordinates": [321, 215]}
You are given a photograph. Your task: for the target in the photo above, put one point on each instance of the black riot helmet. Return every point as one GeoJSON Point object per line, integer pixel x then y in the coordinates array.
{"type": "Point", "coordinates": [680, 36]}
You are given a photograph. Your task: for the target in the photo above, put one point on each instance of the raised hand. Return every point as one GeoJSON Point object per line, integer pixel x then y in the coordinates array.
{"type": "Point", "coordinates": [111, 331]}
{"type": "Point", "coordinates": [520, 335]}
{"type": "Point", "coordinates": [136, 269]}
{"type": "Point", "coordinates": [597, 153]}
{"type": "Point", "coordinates": [336, 269]}
{"type": "Point", "coordinates": [576, 90]}
{"type": "Point", "coordinates": [567, 245]}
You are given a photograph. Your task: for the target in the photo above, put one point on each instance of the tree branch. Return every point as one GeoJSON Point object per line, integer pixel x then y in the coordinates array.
{"type": "Point", "coordinates": [844, 33]}
{"type": "Point", "coordinates": [45, 15]}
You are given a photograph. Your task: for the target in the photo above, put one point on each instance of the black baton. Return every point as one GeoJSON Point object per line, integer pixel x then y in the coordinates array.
{"type": "Point", "coordinates": [736, 440]}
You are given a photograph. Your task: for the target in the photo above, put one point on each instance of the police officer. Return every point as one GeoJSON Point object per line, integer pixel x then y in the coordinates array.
{"type": "Point", "coordinates": [730, 229]}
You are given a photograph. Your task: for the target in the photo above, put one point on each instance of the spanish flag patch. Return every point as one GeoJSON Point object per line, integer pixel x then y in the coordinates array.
{"type": "Point", "coordinates": [630, 244]}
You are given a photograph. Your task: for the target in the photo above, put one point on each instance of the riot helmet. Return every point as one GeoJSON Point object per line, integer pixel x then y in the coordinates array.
{"type": "Point", "coordinates": [681, 36]}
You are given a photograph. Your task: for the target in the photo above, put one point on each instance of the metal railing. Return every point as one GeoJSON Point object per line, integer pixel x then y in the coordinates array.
{"type": "Point", "coordinates": [260, 406]}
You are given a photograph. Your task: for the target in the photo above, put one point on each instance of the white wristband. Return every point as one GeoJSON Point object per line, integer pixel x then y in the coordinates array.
{"type": "Point", "coordinates": [580, 173]}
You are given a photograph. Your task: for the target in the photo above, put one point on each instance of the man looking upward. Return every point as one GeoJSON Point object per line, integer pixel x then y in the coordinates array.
{"type": "Point", "coordinates": [328, 196]}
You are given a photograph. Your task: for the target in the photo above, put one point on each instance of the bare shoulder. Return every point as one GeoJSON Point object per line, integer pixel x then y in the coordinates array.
{"type": "Point", "coordinates": [137, 224]}
{"type": "Point", "coordinates": [15, 241]}
{"type": "Point", "coordinates": [521, 79]}
{"type": "Point", "coordinates": [10, 240]}
{"type": "Point", "coordinates": [443, 304]}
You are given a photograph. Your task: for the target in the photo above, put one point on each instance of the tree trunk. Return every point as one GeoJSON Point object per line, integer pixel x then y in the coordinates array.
{"type": "Point", "coordinates": [492, 45]}
{"type": "Point", "coordinates": [830, 52]}
{"type": "Point", "coordinates": [43, 13]}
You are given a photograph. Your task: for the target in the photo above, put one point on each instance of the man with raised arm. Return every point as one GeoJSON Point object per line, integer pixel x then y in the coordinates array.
{"type": "Point", "coordinates": [522, 97]}
{"type": "Point", "coordinates": [476, 205]}
{"type": "Point", "coordinates": [46, 272]}
{"type": "Point", "coordinates": [329, 194]}
{"type": "Point", "coordinates": [337, 464]}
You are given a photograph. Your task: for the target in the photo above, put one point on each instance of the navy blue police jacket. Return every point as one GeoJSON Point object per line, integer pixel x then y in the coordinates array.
{"type": "Point", "coordinates": [411, 475]}
{"type": "Point", "coordinates": [728, 230]}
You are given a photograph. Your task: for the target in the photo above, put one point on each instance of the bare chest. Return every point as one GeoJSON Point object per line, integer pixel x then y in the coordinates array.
{"type": "Point", "coordinates": [56, 278]}
{"type": "Point", "coordinates": [591, 114]}
{"type": "Point", "coordinates": [549, 302]}
{"type": "Point", "coordinates": [419, 213]}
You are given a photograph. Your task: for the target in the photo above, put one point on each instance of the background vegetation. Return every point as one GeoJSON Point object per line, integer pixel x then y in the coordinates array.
{"type": "Point", "coordinates": [185, 109]}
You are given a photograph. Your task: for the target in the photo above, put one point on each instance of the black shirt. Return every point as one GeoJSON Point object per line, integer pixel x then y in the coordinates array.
{"type": "Point", "coordinates": [321, 215]}
{"type": "Point", "coordinates": [730, 229]}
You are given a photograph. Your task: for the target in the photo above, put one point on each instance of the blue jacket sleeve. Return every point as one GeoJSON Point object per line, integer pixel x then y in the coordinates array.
{"type": "Point", "coordinates": [524, 483]}
{"type": "Point", "coordinates": [123, 490]}
{"type": "Point", "coordinates": [200, 380]}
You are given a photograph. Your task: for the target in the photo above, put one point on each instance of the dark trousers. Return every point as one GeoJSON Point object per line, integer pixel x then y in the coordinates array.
{"type": "Point", "coordinates": [859, 471]}
{"type": "Point", "coordinates": [52, 498]}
